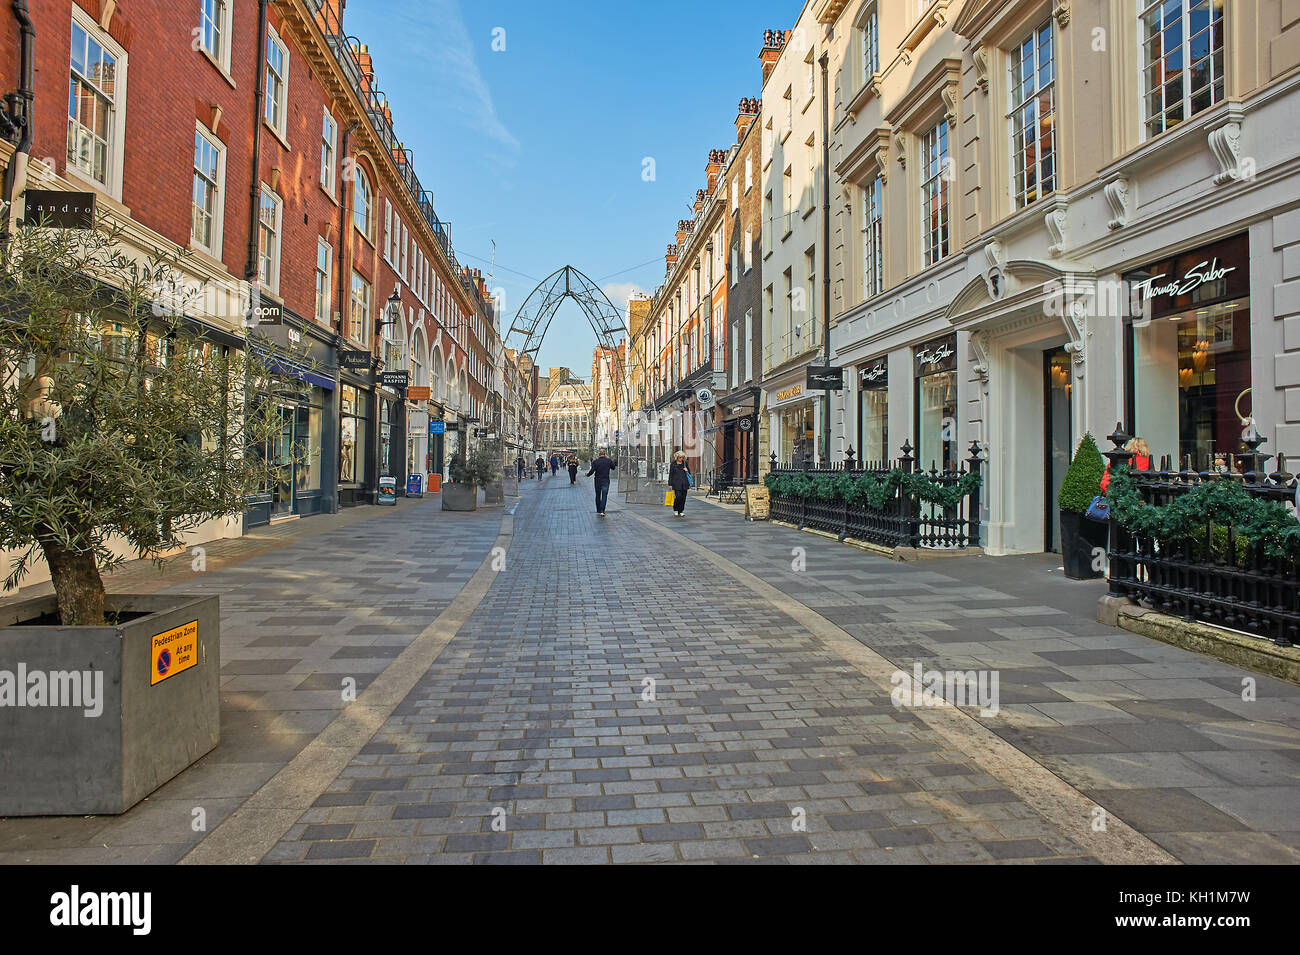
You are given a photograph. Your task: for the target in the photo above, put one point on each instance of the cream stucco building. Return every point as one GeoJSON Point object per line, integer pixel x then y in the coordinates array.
{"type": "Point", "coordinates": [1048, 217]}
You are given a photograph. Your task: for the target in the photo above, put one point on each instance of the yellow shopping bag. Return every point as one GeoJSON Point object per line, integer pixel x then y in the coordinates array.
{"type": "Point", "coordinates": [668, 498]}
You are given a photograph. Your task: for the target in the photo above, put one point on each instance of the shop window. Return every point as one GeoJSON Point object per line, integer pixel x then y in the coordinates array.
{"type": "Point", "coordinates": [352, 436]}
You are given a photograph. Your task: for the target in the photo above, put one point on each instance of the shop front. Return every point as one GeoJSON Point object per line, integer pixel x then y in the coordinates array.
{"type": "Point", "coordinates": [357, 412]}
{"type": "Point", "coordinates": [792, 417]}
{"type": "Point", "coordinates": [873, 413]}
{"type": "Point", "coordinates": [935, 404]}
{"type": "Point", "coordinates": [300, 453]}
{"type": "Point", "coordinates": [1187, 354]}
{"type": "Point", "coordinates": [738, 445]}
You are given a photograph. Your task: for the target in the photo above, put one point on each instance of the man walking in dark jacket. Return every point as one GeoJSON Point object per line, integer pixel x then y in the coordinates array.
{"type": "Point", "coordinates": [601, 467]}
{"type": "Point", "coordinates": [555, 464]}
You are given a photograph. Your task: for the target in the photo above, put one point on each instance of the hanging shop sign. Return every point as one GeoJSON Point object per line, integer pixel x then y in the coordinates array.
{"type": "Point", "coordinates": [354, 360]}
{"type": "Point", "coordinates": [437, 427]}
{"type": "Point", "coordinates": [705, 397]}
{"type": "Point", "coordinates": [825, 378]}
{"type": "Point", "coordinates": [1203, 276]}
{"type": "Point", "coordinates": [418, 392]}
{"type": "Point", "coordinates": [394, 379]}
{"type": "Point", "coordinates": [874, 375]}
{"type": "Point", "coordinates": [265, 313]}
{"type": "Point", "coordinates": [388, 490]}
{"type": "Point", "coordinates": [937, 356]}
{"type": "Point", "coordinates": [53, 209]}
{"type": "Point", "coordinates": [746, 423]}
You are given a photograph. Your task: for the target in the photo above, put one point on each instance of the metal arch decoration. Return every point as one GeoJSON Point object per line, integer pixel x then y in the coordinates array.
{"type": "Point", "coordinates": [533, 318]}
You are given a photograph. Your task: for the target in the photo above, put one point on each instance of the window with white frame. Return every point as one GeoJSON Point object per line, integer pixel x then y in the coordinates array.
{"type": "Point", "coordinates": [207, 200]}
{"type": "Point", "coordinates": [1033, 117]}
{"type": "Point", "coordinates": [734, 196]}
{"type": "Point", "coordinates": [1182, 60]}
{"type": "Point", "coordinates": [95, 100]}
{"type": "Point", "coordinates": [277, 81]}
{"type": "Point", "coordinates": [935, 173]}
{"type": "Point", "coordinates": [869, 46]}
{"type": "Point", "coordinates": [748, 344]}
{"type": "Point", "coordinates": [359, 315]}
{"type": "Point", "coordinates": [362, 203]}
{"type": "Point", "coordinates": [735, 264]}
{"type": "Point", "coordinates": [328, 138]}
{"type": "Point", "coordinates": [269, 221]}
{"type": "Point", "coordinates": [872, 250]}
{"type": "Point", "coordinates": [749, 249]}
{"type": "Point", "coordinates": [324, 260]}
{"type": "Point", "coordinates": [214, 30]}
{"type": "Point", "coordinates": [749, 173]}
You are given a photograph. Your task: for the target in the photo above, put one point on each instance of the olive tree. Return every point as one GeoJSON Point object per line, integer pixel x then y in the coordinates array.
{"type": "Point", "coordinates": [121, 422]}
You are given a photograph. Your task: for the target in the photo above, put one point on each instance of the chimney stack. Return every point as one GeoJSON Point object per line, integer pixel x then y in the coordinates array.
{"type": "Point", "coordinates": [714, 168]}
{"type": "Point", "coordinates": [699, 201]}
{"type": "Point", "coordinates": [773, 43]}
{"type": "Point", "coordinates": [671, 258]}
{"type": "Point", "coordinates": [746, 113]}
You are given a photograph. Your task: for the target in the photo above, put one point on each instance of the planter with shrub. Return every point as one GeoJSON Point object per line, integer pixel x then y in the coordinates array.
{"type": "Point", "coordinates": [123, 430]}
{"type": "Point", "coordinates": [480, 468]}
{"type": "Point", "coordinates": [1081, 537]}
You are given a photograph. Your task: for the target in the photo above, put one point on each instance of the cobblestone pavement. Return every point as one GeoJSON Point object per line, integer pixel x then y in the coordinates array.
{"type": "Point", "coordinates": [1156, 735]}
{"type": "Point", "coordinates": [303, 606]}
{"type": "Point", "coordinates": [534, 737]}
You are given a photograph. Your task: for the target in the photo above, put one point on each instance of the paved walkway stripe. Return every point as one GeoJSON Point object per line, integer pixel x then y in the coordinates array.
{"type": "Point", "coordinates": [1055, 800]}
{"type": "Point", "coordinates": [254, 829]}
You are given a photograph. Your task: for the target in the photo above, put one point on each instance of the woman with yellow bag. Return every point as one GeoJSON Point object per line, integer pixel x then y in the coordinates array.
{"type": "Point", "coordinates": [679, 479]}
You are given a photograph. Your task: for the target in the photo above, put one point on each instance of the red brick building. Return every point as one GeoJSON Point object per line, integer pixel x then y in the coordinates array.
{"type": "Point", "coordinates": [254, 135]}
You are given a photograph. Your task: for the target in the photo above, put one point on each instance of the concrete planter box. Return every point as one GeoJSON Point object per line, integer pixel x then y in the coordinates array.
{"type": "Point", "coordinates": [494, 493]}
{"type": "Point", "coordinates": [106, 734]}
{"type": "Point", "coordinates": [511, 485]}
{"type": "Point", "coordinates": [460, 497]}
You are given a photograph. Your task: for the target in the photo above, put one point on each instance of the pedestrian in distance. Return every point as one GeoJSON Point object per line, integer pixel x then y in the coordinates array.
{"type": "Point", "coordinates": [573, 469]}
{"type": "Point", "coordinates": [520, 465]}
{"type": "Point", "coordinates": [601, 467]}
{"type": "Point", "coordinates": [679, 479]}
{"type": "Point", "coordinates": [541, 466]}
{"type": "Point", "coordinates": [555, 464]}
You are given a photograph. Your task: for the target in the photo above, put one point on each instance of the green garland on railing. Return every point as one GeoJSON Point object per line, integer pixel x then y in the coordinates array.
{"type": "Point", "coordinates": [1270, 525]}
{"type": "Point", "coordinates": [850, 488]}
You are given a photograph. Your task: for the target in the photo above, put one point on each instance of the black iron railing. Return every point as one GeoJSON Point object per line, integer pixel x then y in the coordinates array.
{"type": "Point", "coordinates": [902, 520]}
{"type": "Point", "coordinates": [1219, 576]}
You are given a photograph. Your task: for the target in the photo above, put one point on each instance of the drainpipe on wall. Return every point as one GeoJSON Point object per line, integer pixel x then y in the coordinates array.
{"type": "Point", "coordinates": [343, 256]}
{"type": "Point", "coordinates": [20, 109]}
{"type": "Point", "coordinates": [255, 183]}
{"type": "Point", "coordinates": [826, 254]}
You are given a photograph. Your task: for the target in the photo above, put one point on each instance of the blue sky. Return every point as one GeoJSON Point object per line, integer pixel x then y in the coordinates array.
{"type": "Point", "coordinates": [540, 146]}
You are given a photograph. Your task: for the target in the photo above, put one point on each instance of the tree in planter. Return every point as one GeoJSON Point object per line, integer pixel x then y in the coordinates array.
{"type": "Point", "coordinates": [480, 467]}
{"type": "Point", "coordinates": [1081, 539]}
{"type": "Point", "coordinates": [1082, 480]}
{"type": "Point", "coordinates": [119, 420]}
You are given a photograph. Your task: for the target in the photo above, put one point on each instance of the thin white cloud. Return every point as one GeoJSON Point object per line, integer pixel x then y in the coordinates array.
{"type": "Point", "coordinates": [620, 292]}
{"type": "Point", "coordinates": [446, 57]}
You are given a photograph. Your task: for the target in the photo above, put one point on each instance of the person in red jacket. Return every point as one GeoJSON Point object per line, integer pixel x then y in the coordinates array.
{"type": "Point", "coordinates": [1141, 460]}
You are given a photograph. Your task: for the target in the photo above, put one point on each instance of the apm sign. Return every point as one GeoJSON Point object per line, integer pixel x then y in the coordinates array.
{"type": "Point", "coordinates": [265, 313]}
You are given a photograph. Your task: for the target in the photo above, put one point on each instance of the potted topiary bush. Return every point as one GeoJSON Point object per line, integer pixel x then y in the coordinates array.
{"type": "Point", "coordinates": [124, 430]}
{"type": "Point", "coordinates": [467, 474]}
{"type": "Point", "coordinates": [1080, 537]}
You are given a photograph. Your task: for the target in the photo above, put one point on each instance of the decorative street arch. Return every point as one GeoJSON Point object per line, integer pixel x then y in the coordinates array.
{"type": "Point", "coordinates": [534, 316]}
